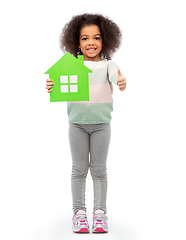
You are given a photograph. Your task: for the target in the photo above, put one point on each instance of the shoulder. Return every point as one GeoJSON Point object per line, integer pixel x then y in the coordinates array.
{"type": "Point", "coordinates": [104, 64]}
{"type": "Point", "coordinates": [112, 64]}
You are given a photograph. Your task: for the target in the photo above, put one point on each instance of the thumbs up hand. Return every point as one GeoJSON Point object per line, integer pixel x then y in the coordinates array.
{"type": "Point", "coordinates": [121, 81]}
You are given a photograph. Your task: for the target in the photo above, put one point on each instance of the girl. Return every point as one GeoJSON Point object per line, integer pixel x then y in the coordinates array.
{"type": "Point", "coordinates": [96, 38]}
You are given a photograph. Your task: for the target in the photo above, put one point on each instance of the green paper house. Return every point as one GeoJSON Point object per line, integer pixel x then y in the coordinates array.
{"type": "Point", "coordinates": [71, 79]}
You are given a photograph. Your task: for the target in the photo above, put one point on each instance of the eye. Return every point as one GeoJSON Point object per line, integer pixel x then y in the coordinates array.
{"type": "Point", "coordinates": [85, 38]}
{"type": "Point", "coordinates": [97, 38]}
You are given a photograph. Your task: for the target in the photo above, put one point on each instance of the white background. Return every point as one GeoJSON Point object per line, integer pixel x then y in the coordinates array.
{"type": "Point", "coordinates": [146, 164]}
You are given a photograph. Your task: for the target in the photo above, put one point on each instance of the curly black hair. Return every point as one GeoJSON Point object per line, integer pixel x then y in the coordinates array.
{"type": "Point", "coordinates": [111, 34]}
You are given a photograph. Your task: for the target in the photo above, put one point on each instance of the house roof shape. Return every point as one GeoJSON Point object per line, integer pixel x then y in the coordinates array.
{"type": "Point", "coordinates": [66, 63]}
{"type": "Point", "coordinates": [69, 65]}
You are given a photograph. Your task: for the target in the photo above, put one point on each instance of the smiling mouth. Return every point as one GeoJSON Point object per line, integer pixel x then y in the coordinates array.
{"type": "Point", "coordinates": [91, 49]}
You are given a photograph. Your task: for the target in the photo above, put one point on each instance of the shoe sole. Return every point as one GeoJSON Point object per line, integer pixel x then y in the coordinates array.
{"type": "Point", "coordinates": [99, 230]}
{"type": "Point", "coordinates": [82, 230]}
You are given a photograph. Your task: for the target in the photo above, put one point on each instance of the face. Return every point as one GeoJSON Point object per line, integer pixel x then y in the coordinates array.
{"type": "Point", "coordinates": [90, 42]}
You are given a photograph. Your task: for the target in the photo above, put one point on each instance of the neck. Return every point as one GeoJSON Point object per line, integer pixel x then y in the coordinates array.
{"type": "Point", "coordinates": [94, 59]}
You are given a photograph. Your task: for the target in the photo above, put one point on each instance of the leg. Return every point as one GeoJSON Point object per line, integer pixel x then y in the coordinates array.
{"type": "Point", "coordinates": [79, 144]}
{"type": "Point", "coordinates": [99, 145]}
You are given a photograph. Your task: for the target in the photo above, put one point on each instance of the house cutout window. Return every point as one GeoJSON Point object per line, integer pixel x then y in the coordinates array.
{"type": "Point", "coordinates": [69, 83]}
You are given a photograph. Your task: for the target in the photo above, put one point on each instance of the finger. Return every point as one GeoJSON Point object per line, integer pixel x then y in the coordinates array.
{"type": "Point", "coordinates": [50, 90]}
{"type": "Point", "coordinates": [121, 83]}
{"type": "Point", "coordinates": [49, 80]}
{"type": "Point", "coordinates": [50, 84]}
{"type": "Point", "coordinates": [122, 87]}
{"type": "Point", "coordinates": [119, 72]}
{"type": "Point", "coordinates": [48, 87]}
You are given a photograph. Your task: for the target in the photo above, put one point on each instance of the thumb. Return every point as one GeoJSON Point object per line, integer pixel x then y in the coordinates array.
{"type": "Point", "coordinates": [119, 72]}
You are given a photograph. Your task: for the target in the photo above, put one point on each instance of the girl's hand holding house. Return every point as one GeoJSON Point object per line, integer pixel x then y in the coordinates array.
{"type": "Point", "coordinates": [121, 81]}
{"type": "Point", "coordinates": [49, 85]}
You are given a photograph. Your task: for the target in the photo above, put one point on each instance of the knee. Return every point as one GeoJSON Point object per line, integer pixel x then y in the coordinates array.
{"type": "Point", "coordinates": [79, 172]}
{"type": "Point", "coordinates": [98, 172]}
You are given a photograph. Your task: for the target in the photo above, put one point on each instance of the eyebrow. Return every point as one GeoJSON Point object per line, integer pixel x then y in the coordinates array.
{"type": "Point", "coordinates": [84, 35]}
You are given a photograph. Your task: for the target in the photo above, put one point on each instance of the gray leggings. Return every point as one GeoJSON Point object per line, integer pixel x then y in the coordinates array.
{"type": "Point", "coordinates": [89, 140]}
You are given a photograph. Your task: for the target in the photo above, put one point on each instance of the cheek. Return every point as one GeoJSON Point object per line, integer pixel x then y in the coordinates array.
{"type": "Point", "coordinates": [101, 44]}
{"type": "Point", "coordinates": [82, 45]}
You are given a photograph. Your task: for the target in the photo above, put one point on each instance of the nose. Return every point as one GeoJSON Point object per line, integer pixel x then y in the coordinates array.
{"type": "Point", "coordinates": [91, 42]}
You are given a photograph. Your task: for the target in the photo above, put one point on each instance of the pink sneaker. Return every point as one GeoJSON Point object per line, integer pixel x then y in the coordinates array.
{"type": "Point", "coordinates": [80, 223]}
{"type": "Point", "coordinates": [99, 222]}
